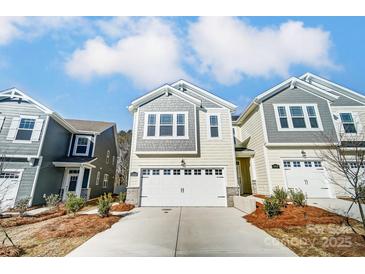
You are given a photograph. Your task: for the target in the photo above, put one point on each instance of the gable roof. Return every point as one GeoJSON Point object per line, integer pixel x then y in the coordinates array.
{"type": "Point", "coordinates": [202, 92]}
{"type": "Point", "coordinates": [292, 82]}
{"type": "Point", "coordinates": [74, 126]}
{"type": "Point", "coordinates": [90, 126]}
{"type": "Point", "coordinates": [176, 89]}
{"type": "Point", "coordinates": [332, 87]}
{"type": "Point", "coordinates": [165, 89]}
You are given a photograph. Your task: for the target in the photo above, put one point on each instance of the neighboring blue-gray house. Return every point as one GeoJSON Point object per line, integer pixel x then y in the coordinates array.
{"type": "Point", "coordinates": [43, 153]}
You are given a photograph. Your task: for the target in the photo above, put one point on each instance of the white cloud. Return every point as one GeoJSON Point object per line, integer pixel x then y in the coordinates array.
{"type": "Point", "coordinates": [230, 48]}
{"type": "Point", "coordinates": [149, 55]}
{"type": "Point", "coordinates": [27, 28]}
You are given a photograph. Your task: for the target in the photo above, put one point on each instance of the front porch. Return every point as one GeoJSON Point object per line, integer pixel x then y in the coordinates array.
{"type": "Point", "coordinates": [245, 170]}
{"type": "Point", "coordinates": [76, 178]}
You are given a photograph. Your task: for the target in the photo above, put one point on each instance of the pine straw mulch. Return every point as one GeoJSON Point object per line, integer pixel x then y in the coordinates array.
{"type": "Point", "coordinates": [24, 220]}
{"type": "Point", "coordinates": [60, 235]}
{"type": "Point", "coordinates": [311, 231]}
{"type": "Point", "coordinates": [122, 207]}
{"type": "Point", "coordinates": [11, 251]}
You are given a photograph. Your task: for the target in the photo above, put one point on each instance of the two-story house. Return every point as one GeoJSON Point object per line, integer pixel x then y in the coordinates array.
{"type": "Point", "coordinates": [43, 153]}
{"type": "Point", "coordinates": [281, 135]}
{"type": "Point", "coordinates": [182, 148]}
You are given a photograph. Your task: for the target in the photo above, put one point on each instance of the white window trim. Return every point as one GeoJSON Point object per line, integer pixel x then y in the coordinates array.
{"type": "Point", "coordinates": [290, 121]}
{"type": "Point", "coordinates": [24, 117]}
{"type": "Point", "coordinates": [77, 137]}
{"type": "Point", "coordinates": [174, 125]}
{"type": "Point", "coordinates": [219, 126]}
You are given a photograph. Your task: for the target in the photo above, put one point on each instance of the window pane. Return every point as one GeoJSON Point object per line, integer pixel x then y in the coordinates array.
{"type": "Point", "coordinates": [281, 111]}
{"type": "Point", "coordinates": [314, 123]}
{"type": "Point", "coordinates": [151, 119]}
{"type": "Point", "coordinates": [181, 119]}
{"type": "Point", "coordinates": [296, 111]}
{"type": "Point", "coordinates": [311, 111]}
{"type": "Point", "coordinates": [151, 130]}
{"type": "Point", "coordinates": [27, 123]}
{"type": "Point", "coordinates": [166, 119]}
{"type": "Point", "coordinates": [213, 120]}
{"type": "Point", "coordinates": [349, 128]}
{"type": "Point", "coordinates": [284, 123]}
{"type": "Point", "coordinates": [298, 122]}
{"type": "Point", "coordinates": [346, 117]}
{"type": "Point", "coordinates": [165, 130]}
{"type": "Point", "coordinates": [180, 131]}
{"type": "Point", "coordinates": [82, 141]}
{"type": "Point", "coordinates": [81, 149]}
{"type": "Point", "coordinates": [214, 132]}
{"type": "Point", "coordinates": [24, 134]}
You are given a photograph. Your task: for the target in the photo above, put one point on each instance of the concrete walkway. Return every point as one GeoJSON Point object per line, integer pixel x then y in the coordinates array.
{"type": "Point", "coordinates": [337, 206]}
{"type": "Point", "coordinates": [189, 231]}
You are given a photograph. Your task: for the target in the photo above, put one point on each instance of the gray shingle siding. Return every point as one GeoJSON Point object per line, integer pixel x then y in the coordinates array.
{"type": "Point", "coordinates": [344, 101]}
{"type": "Point", "coordinates": [104, 142]}
{"type": "Point", "coordinates": [167, 103]}
{"type": "Point", "coordinates": [14, 108]}
{"type": "Point", "coordinates": [55, 146]}
{"type": "Point", "coordinates": [297, 96]}
{"type": "Point", "coordinates": [205, 102]}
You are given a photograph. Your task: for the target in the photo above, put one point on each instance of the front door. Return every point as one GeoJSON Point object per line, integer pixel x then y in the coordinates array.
{"type": "Point", "coordinates": [71, 182]}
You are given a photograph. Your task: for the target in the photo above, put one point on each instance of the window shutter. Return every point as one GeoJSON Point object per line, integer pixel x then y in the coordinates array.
{"type": "Point", "coordinates": [37, 130]}
{"type": "Point", "coordinates": [13, 128]}
{"type": "Point", "coordinates": [2, 119]}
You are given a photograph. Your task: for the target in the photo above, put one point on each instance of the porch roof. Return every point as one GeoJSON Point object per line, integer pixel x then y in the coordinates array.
{"type": "Point", "coordinates": [242, 152]}
{"type": "Point", "coordinates": [75, 162]}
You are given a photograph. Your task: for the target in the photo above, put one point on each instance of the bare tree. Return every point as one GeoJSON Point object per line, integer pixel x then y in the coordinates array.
{"type": "Point", "coordinates": [345, 160]}
{"type": "Point", "coordinates": [124, 143]}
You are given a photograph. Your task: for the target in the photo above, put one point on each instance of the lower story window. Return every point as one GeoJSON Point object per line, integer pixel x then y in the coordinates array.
{"type": "Point", "coordinates": [105, 181]}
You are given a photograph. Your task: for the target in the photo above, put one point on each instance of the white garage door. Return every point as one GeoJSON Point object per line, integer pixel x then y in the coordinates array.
{"type": "Point", "coordinates": [183, 187]}
{"type": "Point", "coordinates": [9, 183]}
{"type": "Point", "coordinates": [308, 176]}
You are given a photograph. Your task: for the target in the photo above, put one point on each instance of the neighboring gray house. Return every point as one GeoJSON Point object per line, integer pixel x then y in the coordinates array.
{"type": "Point", "coordinates": [43, 153]}
{"type": "Point", "coordinates": [280, 136]}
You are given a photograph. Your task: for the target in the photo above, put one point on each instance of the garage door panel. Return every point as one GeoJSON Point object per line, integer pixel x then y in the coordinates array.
{"type": "Point", "coordinates": [309, 176]}
{"type": "Point", "coordinates": [184, 187]}
{"type": "Point", "coordinates": [9, 184]}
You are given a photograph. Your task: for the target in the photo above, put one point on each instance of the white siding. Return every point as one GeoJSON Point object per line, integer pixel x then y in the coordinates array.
{"type": "Point", "coordinates": [253, 128]}
{"type": "Point", "coordinates": [212, 152]}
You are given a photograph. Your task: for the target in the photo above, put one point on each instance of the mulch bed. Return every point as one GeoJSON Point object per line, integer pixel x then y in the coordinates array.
{"type": "Point", "coordinates": [122, 207]}
{"type": "Point", "coordinates": [24, 220]}
{"type": "Point", "coordinates": [76, 226]}
{"type": "Point", "coordinates": [293, 216]}
{"type": "Point", "coordinates": [260, 196]}
{"type": "Point", "coordinates": [10, 251]}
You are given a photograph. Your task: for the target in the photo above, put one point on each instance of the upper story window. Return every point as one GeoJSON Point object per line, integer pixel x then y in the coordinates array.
{"type": "Point", "coordinates": [25, 129]}
{"type": "Point", "coordinates": [166, 125]}
{"type": "Point", "coordinates": [297, 117]}
{"type": "Point", "coordinates": [213, 126]}
{"type": "Point", "coordinates": [106, 180]}
{"type": "Point", "coordinates": [348, 123]}
{"type": "Point", "coordinates": [82, 145]}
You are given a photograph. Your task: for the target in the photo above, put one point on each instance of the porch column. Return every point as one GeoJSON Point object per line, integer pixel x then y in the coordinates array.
{"type": "Point", "coordinates": [79, 181]}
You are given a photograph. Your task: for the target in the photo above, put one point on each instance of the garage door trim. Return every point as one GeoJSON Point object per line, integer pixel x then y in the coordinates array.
{"type": "Point", "coordinates": [20, 171]}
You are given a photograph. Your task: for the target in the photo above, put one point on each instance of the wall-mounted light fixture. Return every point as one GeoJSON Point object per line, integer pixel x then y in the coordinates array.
{"type": "Point", "coordinates": [304, 154]}
{"type": "Point", "coordinates": [183, 163]}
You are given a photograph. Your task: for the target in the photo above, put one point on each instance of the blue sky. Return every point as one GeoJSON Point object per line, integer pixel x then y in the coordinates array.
{"type": "Point", "coordinates": [92, 68]}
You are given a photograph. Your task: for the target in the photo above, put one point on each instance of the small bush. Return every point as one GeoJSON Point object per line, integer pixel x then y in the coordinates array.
{"type": "Point", "coordinates": [122, 197]}
{"type": "Point", "coordinates": [281, 195]}
{"type": "Point", "coordinates": [22, 205]}
{"type": "Point", "coordinates": [74, 203]}
{"type": "Point", "coordinates": [52, 200]}
{"type": "Point", "coordinates": [272, 207]}
{"type": "Point", "coordinates": [104, 204]}
{"type": "Point", "coordinates": [297, 196]}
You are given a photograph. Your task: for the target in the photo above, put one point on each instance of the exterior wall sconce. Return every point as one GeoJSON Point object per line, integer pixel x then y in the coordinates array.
{"type": "Point", "coordinates": [304, 154]}
{"type": "Point", "coordinates": [183, 164]}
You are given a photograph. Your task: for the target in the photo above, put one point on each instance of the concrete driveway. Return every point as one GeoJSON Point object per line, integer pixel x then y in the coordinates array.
{"type": "Point", "coordinates": [187, 231]}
